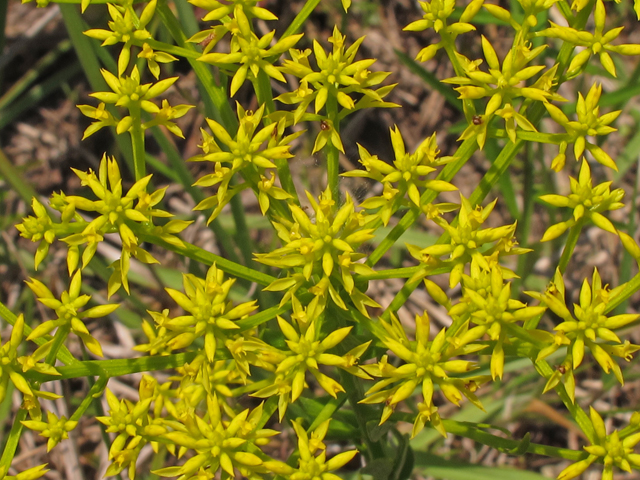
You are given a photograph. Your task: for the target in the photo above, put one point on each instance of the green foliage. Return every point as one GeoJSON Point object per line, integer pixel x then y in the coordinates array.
{"type": "Point", "coordinates": [309, 331]}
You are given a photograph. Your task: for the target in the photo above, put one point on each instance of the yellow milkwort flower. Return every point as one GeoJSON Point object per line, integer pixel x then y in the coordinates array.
{"type": "Point", "coordinates": [102, 117]}
{"type": "Point", "coordinates": [197, 380]}
{"type": "Point", "coordinates": [306, 353]}
{"type": "Point", "coordinates": [584, 328]}
{"type": "Point", "coordinates": [252, 53]}
{"type": "Point", "coordinates": [117, 213]}
{"type": "Point", "coordinates": [266, 189]}
{"type": "Point", "coordinates": [612, 450]}
{"type": "Point", "coordinates": [134, 427]}
{"type": "Point", "coordinates": [338, 76]}
{"type": "Point", "coordinates": [235, 16]}
{"type": "Point", "coordinates": [436, 16]}
{"type": "Point", "coordinates": [38, 229]}
{"type": "Point", "coordinates": [128, 92]}
{"type": "Point", "coordinates": [597, 43]}
{"type": "Point", "coordinates": [126, 28]}
{"type": "Point", "coordinates": [209, 314]}
{"type": "Point", "coordinates": [403, 177]}
{"type": "Point", "coordinates": [55, 429]}
{"type": "Point", "coordinates": [246, 148]}
{"type": "Point", "coordinates": [487, 303]}
{"type": "Point", "coordinates": [589, 124]}
{"type": "Point", "coordinates": [321, 251]}
{"type": "Point", "coordinates": [12, 367]}
{"type": "Point", "coordinates": [427, 363]}
{"type": "Point", "coordinates": [587, 202]}
{"type": "Point", "coordinates": [502, 85]}
{"type": "Point", "coordinates": [153, 58]}
{"type": "Point", "coordinates": [466, 243]}
{"type": "Point", "coordinates": [220, 446]}
{"type": "Point", "coordinates": [312, 466]}
{"type": "Point", "coordinates": [70, 318]}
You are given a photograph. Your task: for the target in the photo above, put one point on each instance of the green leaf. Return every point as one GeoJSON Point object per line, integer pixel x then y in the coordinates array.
{"type": "Point", "coordinates": [435, 466]}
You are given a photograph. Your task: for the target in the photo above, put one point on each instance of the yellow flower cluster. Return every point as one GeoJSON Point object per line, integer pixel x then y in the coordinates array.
{"type": "Point", "coordinates": [307, 342]}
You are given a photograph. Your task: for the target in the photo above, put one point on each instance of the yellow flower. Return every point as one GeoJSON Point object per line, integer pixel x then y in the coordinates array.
{"type": "Point", "coordinates": [324, 248]}
{"type": "Point", "coordinates": [436, 16]}
{"type": "Point", "coordinates": [488, 304]}
{"type": "Point", "coordinates": [597, 43]}
{"type": "Point", "coordinates": [584, 328]}
{"type": "Point", "coordinates": [406, 174]}
{"type": "Point", "coordinates": [12, 367]}
{"type": "Point", "coordinates": [55, 429]}
{"type": "Point", "coordinates": [611, 450]}
{"type": "Point", "coordinates": [310, 465]}
{"type": "Point", "coordinates": [252, 53]}
{"type": "Point", "coordinates": [126, 28]}
{"type": "Point", "coordinates": [219, 445]}
{"type": "Point", "coordinates": [466, 243]}
{"type": "Point", "coordinates": [68, 311]}
{"type": "Point", "coordinates": [306, 353]}
{"type": "Point", "coordinates": [589, 123]}
{"type": "Point", "coordinates": [426, 363]}
{"type": "Point", "coordinates": [588, 203]}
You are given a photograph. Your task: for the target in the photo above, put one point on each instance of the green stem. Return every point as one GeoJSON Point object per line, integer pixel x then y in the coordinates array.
{"type": "Point", "coordinates": [507, 445]}
{"type": "Point", "coordinates": [137, 142]}
{"type": "Point", "coordinates": [570, 245]}
{"type": "Point", "coordinates": [575, 410]}
{"type": "Point", "coordinates": [243, 236]}
{"type": "Point", "coordinates": [301, 18]}
{"type": "Point", "coordinates": [115, 367]}
{"type": "Point", "coordinates": [631, 287]}
{"type": "Point", "coordinates": [208, 258]}
{"type": "Point", "coordinates": [391, 273]}
{"type": "Point", "coordinates": [524, 226]}
{"type": "Point", "coordinates": [58, 340]}
{"type": "Point", "coordinates": [355, 393]}
{"type": "Point", "coordinates": [96, 390]}
{"type": "Point", "coordinates": [87, 51]}
{"type": "Point", "coordinates": [332, 406]}
{"type": "Point", "coordinates": [213, 95]}
{"type": "Point", "coordinates": [461, 157]}
{"type": "Point", "coordinates": [450, 47]}
{"type": "Point", "coordinates": [12, 441]}
{"type": "Point", "coordinates": [333, 154]}
{"type": "Point", "coordinates": [264, 93]}
{"type": "Point", "coordinates": [400, 299]}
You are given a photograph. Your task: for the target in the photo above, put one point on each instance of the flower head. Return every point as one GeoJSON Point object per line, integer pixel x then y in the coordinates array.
{"type": "Point", "coordinates": [322, 246]}
{"type": "Point", "coordinates": [588, 203]}
{"type": "Point", "coordinates": [67, 309]}
{"type": "Point", "coordinates": [312, 465]}
{"type": "Point", "coordinates": [589, 124]}
{"type": "Point", "coordinates": [588, 326]}
{"type": "Point", "coordinates": [404, 177]}
{"type": "Point", "coordinates": [612, 450]}
{"type": "Point", "coordinates": [426, 363]}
